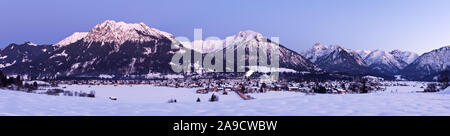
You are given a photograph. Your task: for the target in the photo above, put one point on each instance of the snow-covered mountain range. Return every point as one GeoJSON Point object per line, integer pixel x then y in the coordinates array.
{"type": "Point", "coordinates": [288, 59]}
{"type": "Point", "coordinates": [336, 59]}
{"type": "Point", "coordinates": [384, 62]}
{"type": "Point", "coordinates": [405, 56]}
{"type": "Point", "coordinates": [113, 48]}
{"type": "Point", "coordinates": [428, 65]}
{"type": "Point", "coordinates": [119, 48]}
{"type": "Point", "coordinates": [363, 53]}
{"type": "Point", "coordinates": [376, 62]}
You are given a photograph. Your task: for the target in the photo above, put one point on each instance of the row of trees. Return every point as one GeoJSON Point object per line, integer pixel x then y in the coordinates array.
{"type": "Point", "coordinates": [444, 78]}
{"type": "Point", "coordinates": [18, 81]}
{"type": "Point", "coordinates": [5, 81]}
{"type": "Point", "coordinates": [362, 86]}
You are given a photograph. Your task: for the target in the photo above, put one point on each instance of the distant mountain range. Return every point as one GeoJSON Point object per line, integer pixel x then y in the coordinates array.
{"type": "Point", "coordinates": [384, 62]}
{"type": "Point", "coordinates": [428, 65]}
{"type": "Point", "coordinates": [336, 59]}
{"type": "Point", "coordinates": [121, 49]}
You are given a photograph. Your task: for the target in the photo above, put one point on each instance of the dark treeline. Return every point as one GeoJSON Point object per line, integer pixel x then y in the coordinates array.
{"type": "Point", "coordinates": [16, 83]}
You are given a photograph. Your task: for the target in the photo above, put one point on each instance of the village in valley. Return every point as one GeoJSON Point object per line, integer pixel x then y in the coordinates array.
{"type": "Point", "coordinates": [244, 87]}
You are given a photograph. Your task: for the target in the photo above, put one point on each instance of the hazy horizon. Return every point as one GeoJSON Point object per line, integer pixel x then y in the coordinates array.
{"type": "Point", "coordinates": [409, 25]}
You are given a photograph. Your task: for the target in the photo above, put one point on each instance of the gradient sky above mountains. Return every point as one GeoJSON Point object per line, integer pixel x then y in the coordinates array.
{"type": "Point", "coordinates": [412, 25]}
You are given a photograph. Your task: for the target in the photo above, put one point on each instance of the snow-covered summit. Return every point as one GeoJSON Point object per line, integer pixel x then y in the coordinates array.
{"type": "Point", "coordinates": [249, 34]}
{"type": "Point", "coordinates": [318, 50]}
{"type": "Point", "coordinates": [72, 38]}
{"type": "Point", "coordinates": [243, 37]}
{"type": "Point", "coordinates": [119, 32]}
{"type": "Point", "coordinates": [405, 56]}
{"type": "Point", "coordinates": [30, 43]}
{"type": "Point", "coordinates": [384, 58]}
{"type": "Point", "coordinates": [334, 58]}
{"type": "Point", "coordinates": [363, 53]}
{"type": "Point", "coordinates": [204, 46]}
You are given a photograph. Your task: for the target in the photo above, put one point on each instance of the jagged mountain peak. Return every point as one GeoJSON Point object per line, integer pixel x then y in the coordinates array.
{"type": "Point", "coordinates": [380, 57]}
{"type": "Point", "coordinates": [243, 36]}
{"type": "Point", "coordinates": [363, 53]}
{"type": "Point", "coordinates": [13, 45]}
{"type": "Point", "coordinates": [339, 52]}
{"type": "Point", "coordinates": [405, 56]}
{"type": "Point", "coordinates": [29, 43]}
{"type": "Point", "coordinates": [335, 58]}
{"type": "Point", "coordinates": [319, 50]}
{"type": "Point", "coordinates": [119, 32]}
{"type": "Point", "coordinates": [250, 34]}
{"type": "Point", "coordinates": [445, 48]}
{"type": "Point", "coordinates": [211, 45]}
{"type": "Point", "coordinates": [320, 46]}
{"type": "Point", "coordinates": [396, 51]}
{"type": "Point", "coordinates": [288, 58]}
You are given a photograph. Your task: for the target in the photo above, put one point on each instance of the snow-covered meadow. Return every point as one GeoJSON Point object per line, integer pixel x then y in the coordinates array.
{"type": "Point", "coordinates": [150, 100]}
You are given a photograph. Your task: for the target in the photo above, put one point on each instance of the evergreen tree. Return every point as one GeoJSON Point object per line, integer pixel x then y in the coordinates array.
{"type": "Point", "coordinates": [263, 86]}
{"type": "Point", "coordinates": [364, 88]}
{"type": "Point", "coordinates": [213, 98]}
{"type": "Point", "coordinates": [2, 79]}
{"type": "Point", "coordinates": [444, 78]}
{"type": "Point", "coordinates": [320, 89]}
{"type": "Point", "coordinates": [18, 81]}
{"type": "Point", "coordinates": [10, 81]}
{"type": "Point", "coordinates": [432, 87]}
{"type": "Point", "coordinates": [35, 85]}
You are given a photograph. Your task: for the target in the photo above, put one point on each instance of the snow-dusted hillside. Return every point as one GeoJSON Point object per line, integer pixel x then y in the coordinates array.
{"type": "Point", "coordinates": [20, 56]}
{"type": "Point", "coordinates": [147, 100]}
{"type": "Point", "coordinates": [120, 32]}
{"type": "Point", "coordinates": [71, 39]}
{"type": "Point", "coordinates": [429, 64]}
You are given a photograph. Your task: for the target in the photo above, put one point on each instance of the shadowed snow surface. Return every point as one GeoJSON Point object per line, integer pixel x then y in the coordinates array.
{"type": "Point", "coordinates": [148, 100]}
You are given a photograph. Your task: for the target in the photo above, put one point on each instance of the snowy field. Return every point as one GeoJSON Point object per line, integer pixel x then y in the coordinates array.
{"type": "Point", "coordinates": [149, 100]}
